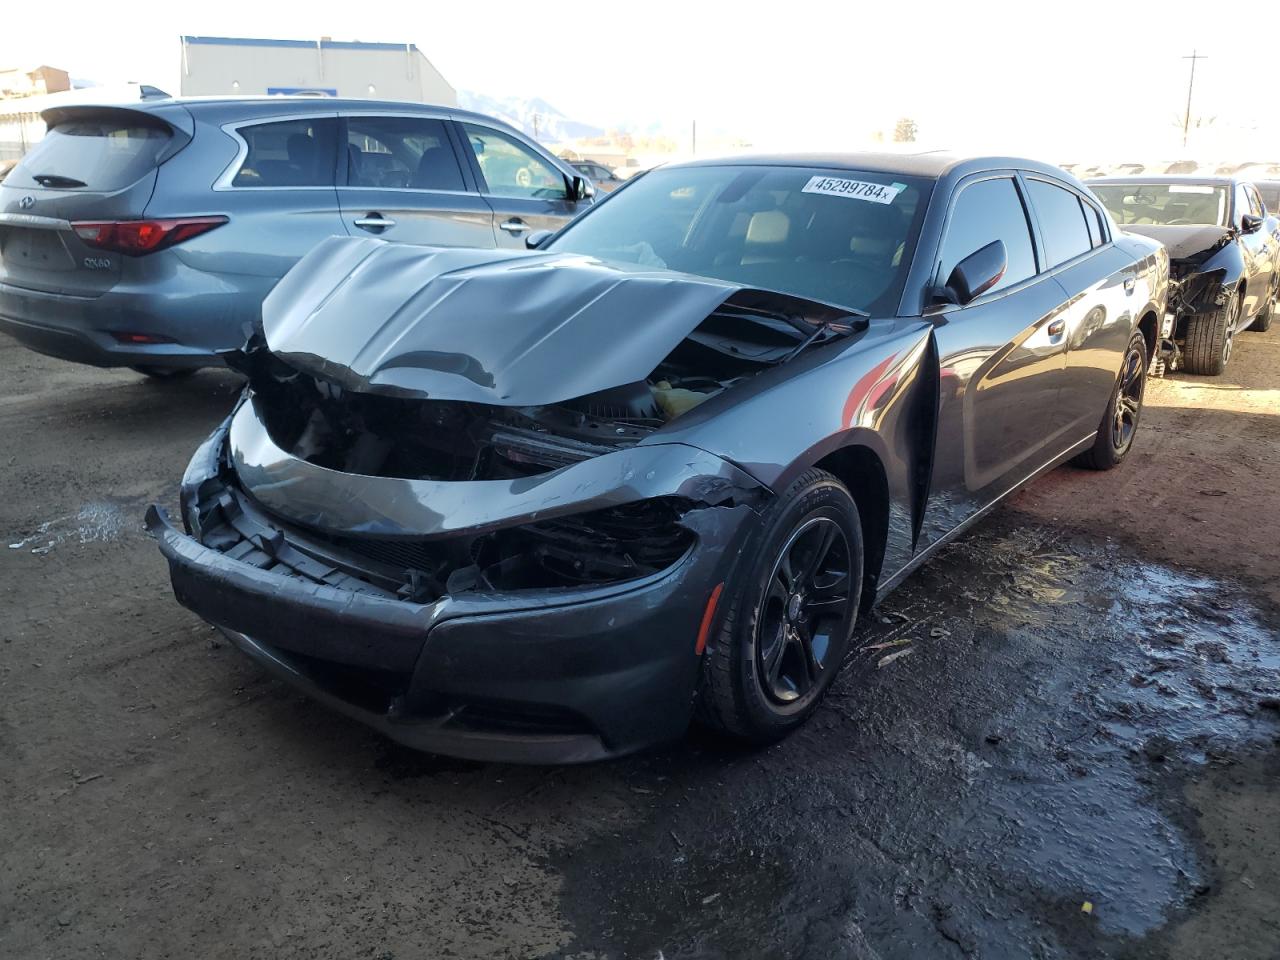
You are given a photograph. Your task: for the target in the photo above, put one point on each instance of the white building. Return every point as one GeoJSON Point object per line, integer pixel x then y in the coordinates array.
{"type": "Point", "coordinates": [228, 66]}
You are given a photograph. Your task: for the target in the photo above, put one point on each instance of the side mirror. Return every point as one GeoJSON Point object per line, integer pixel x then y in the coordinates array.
{"type": "Point", "coordinates": [977, 273]}
{"type": "Point", "coordinates": [580, 188]}
{"type": "Point", "coordinates": [1250, 223]}
{"type": "Point", "coordinates": [535, 240]}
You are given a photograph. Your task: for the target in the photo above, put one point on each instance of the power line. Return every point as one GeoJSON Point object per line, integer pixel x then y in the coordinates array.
{"type": "Point", "coordinates": [1186, 121]}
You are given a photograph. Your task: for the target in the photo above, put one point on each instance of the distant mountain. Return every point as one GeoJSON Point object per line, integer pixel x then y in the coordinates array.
{"type": "Point", "coordinates": [533, 115]}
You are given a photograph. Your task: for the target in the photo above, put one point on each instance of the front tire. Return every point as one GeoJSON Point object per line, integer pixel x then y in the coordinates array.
{"type": "Point", "coordinates": [1210, 337]}
{"type": "Point", "coordinates": [1120, 423]}
{"type": "Point", "coordinates": [786, 629]}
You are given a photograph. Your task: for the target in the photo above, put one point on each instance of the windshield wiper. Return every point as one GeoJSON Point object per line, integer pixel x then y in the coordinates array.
{"type": "Point", "coordinates": [57, 180]}
{"type": "Point", "coordinates": [859, 322]}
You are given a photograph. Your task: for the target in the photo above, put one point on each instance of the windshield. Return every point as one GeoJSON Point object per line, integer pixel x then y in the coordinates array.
{"type": "Point", "coordinates": [838, 236]}
{"type": "Point", "coordinates": [1171, 204]}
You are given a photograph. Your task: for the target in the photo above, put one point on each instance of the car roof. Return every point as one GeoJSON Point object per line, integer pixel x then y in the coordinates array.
{"type": "Point", "coordinates": [1187, 178]}
{"type": "Point", "coordinates": [253, 106]}
{"type": "Point", "coordinates": [931, 164]}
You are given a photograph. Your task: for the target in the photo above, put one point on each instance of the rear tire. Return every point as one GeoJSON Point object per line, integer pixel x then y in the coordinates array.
{"type": "Point", "coordinates": [165, 373]}
{"type": "Point", "coordinates": [1120, 423]}
{"type": "Point", "coordinates": [786, 628]}
{"type": "Point", "coordinates": [1210, 337]}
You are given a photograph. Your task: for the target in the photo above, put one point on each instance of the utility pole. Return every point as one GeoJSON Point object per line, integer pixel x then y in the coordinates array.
{"type": "Point", "coordinates": [694, 150]}
{"type": "Point", "coordinates": [1186, 121]}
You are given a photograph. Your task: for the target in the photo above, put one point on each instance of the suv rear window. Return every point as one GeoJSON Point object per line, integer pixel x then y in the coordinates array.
{"type": "Point", "coordinates": [103, 155]}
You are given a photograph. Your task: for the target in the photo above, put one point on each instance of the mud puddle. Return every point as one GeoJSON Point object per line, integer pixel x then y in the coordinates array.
{"type": "Point", "coordinates": [1016, 786]}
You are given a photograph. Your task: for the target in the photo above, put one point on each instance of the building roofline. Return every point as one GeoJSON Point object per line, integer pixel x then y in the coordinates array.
{"type": "Point", "coordinates": [296, 44]}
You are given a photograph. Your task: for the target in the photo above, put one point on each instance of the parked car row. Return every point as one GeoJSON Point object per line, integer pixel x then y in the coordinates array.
{"type": "Point", "coordinates": [1224, 248]}
{"type": "Point", "coordinates": [552, 477]}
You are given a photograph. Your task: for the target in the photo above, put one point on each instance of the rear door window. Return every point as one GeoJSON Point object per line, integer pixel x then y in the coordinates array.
{"type": "Point", "coordinates": [99, 155]}
{"type": "Point", "coordinates": [512, 169]}
{"type": "Point", "coordinates": [1062, 222]}
{"type": "Point", "coordinates": [288, 153]}
{"type": "Point", "coordinates": [401, 152]}
{"type": "Point", "coordinates": [986, 211]}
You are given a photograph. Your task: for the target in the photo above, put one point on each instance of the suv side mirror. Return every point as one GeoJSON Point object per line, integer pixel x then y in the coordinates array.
{"type": "Point", "coordinates": [581, 189]}
{"type": "Point", "coordinates": [536, 239]}
{"type": "Point", "coordinates": [977, 273]}
{"type": "Point", "coordinates": [1250, 223]}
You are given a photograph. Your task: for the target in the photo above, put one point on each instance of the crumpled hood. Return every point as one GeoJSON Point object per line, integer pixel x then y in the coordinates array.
{"type": "Point", "coordinates": [1191, 243]}
{"type": "Point", "coordinates": [485, 326]}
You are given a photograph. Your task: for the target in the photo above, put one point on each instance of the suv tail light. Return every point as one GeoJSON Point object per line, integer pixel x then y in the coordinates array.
{"type": "Point", "coordinates": [136, 238]}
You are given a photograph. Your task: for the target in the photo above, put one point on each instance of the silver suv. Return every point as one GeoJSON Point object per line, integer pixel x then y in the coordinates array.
{"type": "Point", "coordinates": [147, 236]}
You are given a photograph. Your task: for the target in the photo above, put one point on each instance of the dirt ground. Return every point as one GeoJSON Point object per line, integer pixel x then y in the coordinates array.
{"type": "Point", "coordinates": [1090, 714]}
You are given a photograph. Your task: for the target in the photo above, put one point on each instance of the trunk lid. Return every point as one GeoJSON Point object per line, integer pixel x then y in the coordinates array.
{"type": "Point", "coordinates": [94, 164]}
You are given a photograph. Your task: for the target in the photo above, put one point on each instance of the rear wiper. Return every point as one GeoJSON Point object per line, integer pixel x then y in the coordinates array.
{"type": "Point", "coordinates": [56, 180]}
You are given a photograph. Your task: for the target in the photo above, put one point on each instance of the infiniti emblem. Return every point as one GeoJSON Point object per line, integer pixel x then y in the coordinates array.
{"type": "Point", "coordinates": [26, 203]}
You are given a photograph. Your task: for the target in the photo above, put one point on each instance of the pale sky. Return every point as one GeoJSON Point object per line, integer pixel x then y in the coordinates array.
{"type": "Point", "coordinates": [1064, 82]}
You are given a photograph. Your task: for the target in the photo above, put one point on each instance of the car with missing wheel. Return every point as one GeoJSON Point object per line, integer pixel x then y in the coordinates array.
{"type": "Point", "coordinates": [147, 236]}
{"type": "Point", "coordinates": [547, 505]}
{"type": "Point", "coordinates": [1224, 251]}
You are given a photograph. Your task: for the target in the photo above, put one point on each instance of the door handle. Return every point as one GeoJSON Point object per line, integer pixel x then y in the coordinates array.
{"type": "Point", "coordinates": [375, 221]}
{"type": "Point", "coordinates": [515, 226]}
{"type": "Point", "coordinates": [1129, 284]}
{"type": "Point", "coordinates": [1057, 327]}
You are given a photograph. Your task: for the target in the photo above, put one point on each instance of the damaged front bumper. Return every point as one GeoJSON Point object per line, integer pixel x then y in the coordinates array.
{"type": "Point", "coordinates": [565, 673]}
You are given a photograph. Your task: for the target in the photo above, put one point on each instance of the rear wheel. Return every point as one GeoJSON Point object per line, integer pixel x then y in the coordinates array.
{"type": "Point", "coordinates": [786, 630]}
{"type": "Point", "coordinates": [1120, 422]}
{"type": "Point", "coordinates": [1210, 337]}
{"type": "Point", "coordinates": [164, 373]}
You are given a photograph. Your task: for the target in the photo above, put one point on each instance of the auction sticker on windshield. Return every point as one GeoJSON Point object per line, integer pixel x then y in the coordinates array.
{"type": "Point", "coordinates": [854, 189]}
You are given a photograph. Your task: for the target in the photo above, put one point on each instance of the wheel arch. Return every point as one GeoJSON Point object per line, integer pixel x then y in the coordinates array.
{"type": "Point", "coordinates": [860, 469]}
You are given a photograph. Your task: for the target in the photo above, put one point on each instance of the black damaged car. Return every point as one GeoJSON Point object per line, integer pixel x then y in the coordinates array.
{"type": "Point", "coordinates": [544, 505]}
{"type": "Point", "coordinates": [1224, 251]}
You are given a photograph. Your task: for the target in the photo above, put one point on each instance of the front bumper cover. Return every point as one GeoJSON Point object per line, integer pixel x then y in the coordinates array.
{"type": "Point", "coordinates": [541, 675]}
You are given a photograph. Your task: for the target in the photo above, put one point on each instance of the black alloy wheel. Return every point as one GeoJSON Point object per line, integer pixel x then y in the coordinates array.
{"type": "Point", "coordinates": [786, 620]}
{"type": "Point", "coordinates": [1127, 405]}
{"type": "Point", "coordinates": [1124, 409]}
{"type": "Point", "coordinates": [805, 607]}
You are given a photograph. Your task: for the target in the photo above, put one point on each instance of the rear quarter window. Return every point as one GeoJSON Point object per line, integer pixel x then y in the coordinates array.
{"type": "Point", "coordinates": [103, 155]}
{"type": "Point", "coordinates": [288, 153]}
{"type": "Point", "coordinates": [1062, 222]}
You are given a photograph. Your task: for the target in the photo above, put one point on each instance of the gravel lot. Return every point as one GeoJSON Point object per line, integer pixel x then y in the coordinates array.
{"type": "Point", "coordinates": [1091, 712]}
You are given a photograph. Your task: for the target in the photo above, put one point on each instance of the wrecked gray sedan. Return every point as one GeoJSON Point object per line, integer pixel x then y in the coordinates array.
{"type": "Point", "coordinates": [547, 505]}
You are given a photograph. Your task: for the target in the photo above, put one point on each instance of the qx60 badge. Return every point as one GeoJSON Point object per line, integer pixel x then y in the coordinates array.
{"type": "Point", "coordinates": [26, 203]}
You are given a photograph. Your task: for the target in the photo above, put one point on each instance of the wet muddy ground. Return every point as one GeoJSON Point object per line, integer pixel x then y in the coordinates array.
{"type": "Point", "coordinates": [1078, 703]}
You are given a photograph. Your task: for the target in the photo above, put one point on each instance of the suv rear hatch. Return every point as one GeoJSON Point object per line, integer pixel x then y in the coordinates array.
{"type": "Point", "coordinates": [95, 164]}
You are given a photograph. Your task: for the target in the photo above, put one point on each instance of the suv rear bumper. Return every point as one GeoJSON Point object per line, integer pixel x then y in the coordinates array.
{"type": "Point", "coordinates": [197, 314]}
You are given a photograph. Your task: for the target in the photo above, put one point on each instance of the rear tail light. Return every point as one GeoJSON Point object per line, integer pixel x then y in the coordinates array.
{"type": "Point", "coordinates": [136, 238]}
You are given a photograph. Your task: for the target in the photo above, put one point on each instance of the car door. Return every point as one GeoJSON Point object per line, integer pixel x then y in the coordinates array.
{"type": "Point", "coordinates": [1267, 244]}
{"type": "Point", "coordinates": [1001, 359]}
{"type": "Point", "coordinates": [1100, 284]}
{"type": "Point", "coordinates": [403, 181]}
{"type": "Point", "coordinates": [1257, 252]}
{"type": "Point", "coordinates": [279, 192]}
{"type": "Point", "coordinates": [525, 189]}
